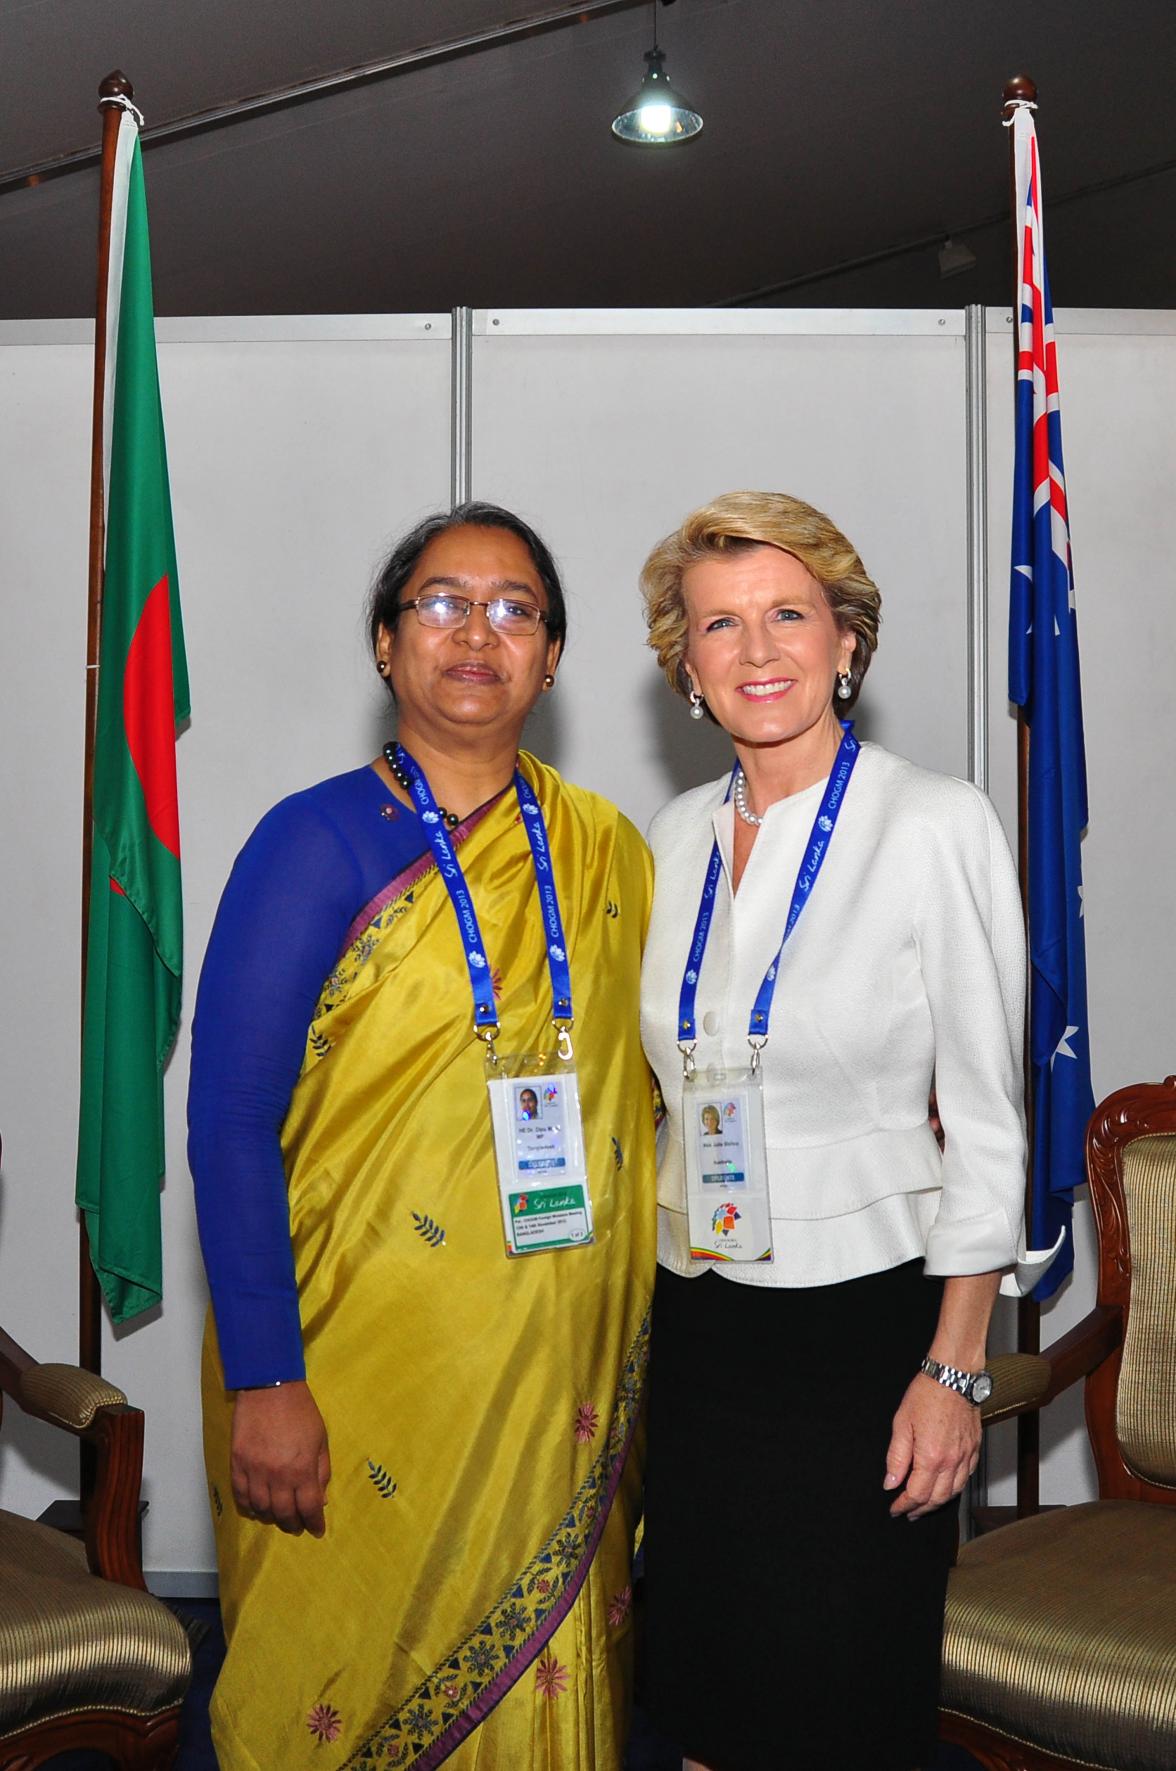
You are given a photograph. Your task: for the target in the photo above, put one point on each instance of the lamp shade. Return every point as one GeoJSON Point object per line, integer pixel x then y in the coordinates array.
{"type": "Point", "coordinates": [657, 116]}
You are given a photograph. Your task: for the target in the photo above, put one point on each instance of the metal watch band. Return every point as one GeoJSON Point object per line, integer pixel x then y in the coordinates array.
{"type": "Point", "coordinates": [964, 1383]}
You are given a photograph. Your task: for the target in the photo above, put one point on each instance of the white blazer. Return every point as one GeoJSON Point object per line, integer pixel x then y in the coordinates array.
{"type": "Point", "coordinates": [907, 965]}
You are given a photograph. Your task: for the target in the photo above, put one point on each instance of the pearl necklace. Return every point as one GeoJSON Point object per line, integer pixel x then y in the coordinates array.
{"type": "Point", "coordinates": [449, 819]}
{"type": "Point", "coordinates": [739, 794]}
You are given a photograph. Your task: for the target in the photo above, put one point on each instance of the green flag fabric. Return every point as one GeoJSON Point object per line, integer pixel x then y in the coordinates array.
{"type": "Point", "coordinates": [135, 944]}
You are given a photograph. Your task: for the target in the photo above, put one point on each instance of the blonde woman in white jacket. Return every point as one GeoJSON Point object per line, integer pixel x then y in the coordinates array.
{"type": "Point", "coordinates": [826, 1274]}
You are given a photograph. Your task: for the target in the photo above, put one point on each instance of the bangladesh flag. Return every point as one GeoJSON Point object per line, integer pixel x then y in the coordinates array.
{"type": "Point", "coordinates": [135, 945]}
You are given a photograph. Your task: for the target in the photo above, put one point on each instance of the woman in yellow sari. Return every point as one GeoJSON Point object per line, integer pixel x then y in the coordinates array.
{"type": "Point", "coordinates": [423, 1452]}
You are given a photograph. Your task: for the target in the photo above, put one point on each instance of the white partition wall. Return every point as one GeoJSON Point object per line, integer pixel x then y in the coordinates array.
{"type": "Point", "coordinates": [607, 428]}
{"type": "Point", "coordinates": [300, 447]}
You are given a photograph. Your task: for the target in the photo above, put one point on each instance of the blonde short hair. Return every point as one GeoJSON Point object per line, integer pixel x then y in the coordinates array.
{"type": "Point", "coordinates": [739, 520]}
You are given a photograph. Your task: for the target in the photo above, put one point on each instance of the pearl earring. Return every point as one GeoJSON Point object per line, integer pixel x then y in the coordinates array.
{"type": "Point", "coordinates": [696, 706]}
{"type": "Point", "coordinates": [844, 685]}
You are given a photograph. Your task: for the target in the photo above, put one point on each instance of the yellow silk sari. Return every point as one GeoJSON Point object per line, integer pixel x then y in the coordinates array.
{"type": "Point", "coordinates": [470, 1603]}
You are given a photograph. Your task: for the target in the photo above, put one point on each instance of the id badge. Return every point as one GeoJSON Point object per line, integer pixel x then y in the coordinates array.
{"type": "Point", "coordinates": [726, 1166]}
{"type": "Point", "coordinates": [539, 1150]}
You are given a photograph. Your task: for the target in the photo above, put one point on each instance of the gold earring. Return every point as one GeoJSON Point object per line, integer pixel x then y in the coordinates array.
{"type": "Point", "coordinates": [382, 666]}
{"type": "Point", "coordinates": [549, 681]}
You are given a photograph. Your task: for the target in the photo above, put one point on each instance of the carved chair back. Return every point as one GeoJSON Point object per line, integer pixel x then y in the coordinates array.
{"type": "Point", "coordinates": [1131, 1397]}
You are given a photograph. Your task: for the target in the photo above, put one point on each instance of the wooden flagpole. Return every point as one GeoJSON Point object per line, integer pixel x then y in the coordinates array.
{"type": "Point", "coordinates": [114, 86]}
{"type": "Point", "coordinates": [1022, 88]}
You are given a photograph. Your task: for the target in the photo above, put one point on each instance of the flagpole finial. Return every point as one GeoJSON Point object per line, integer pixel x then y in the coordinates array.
{"type": "Point", "coordinates": [115, 86]}
{"type": "Point", "coordinates": [1020, 90]}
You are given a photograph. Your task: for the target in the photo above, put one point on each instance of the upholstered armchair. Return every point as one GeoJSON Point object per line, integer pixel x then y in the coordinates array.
{"type": "Point", "coordinates": [88, 1659]}
{"type": "Point", "coordinates": [1060, 1645]}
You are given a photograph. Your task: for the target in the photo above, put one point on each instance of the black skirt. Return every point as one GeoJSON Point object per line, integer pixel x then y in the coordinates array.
{"type": "Point", "coordinates": [790, 1621]}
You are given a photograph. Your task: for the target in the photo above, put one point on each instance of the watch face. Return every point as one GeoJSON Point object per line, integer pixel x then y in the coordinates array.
{"type": "Point", "coordinates": [981, 1387]}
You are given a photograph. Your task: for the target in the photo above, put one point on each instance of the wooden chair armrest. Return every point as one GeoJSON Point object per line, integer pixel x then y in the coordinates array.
{"type": "Point", "coordinates": [64, 1395]}
{"type": "Point", "coordinates": [92, 1409]}
{"type": "Point", "coordinates": [1020, 1382]}
{"type": "Point", "coordinates": [67, 1397]}
{"type": "Point", "coordinates": [1025, 1381]}
{"type": "Point", "coordinates": [113, 1546]}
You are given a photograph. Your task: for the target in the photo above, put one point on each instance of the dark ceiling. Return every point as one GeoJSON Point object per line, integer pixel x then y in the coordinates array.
{"type": "Point", "coordinates": [843, 140]}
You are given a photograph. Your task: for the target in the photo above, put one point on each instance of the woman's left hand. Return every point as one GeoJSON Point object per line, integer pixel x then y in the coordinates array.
{"type": "Point", "coordinates": [934, 1447]}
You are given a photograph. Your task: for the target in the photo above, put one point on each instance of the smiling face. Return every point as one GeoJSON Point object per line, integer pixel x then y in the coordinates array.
{"type": "Point", "coordinates": [458, 678]}
{"type": "Point", "coordinates": [762, 645]}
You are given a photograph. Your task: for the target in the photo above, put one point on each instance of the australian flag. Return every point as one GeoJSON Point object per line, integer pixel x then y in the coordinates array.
{"type": "Point", "coordinates": [1044, 681]}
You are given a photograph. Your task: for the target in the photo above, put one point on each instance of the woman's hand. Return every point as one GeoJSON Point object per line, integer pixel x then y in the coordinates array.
{"type": "Point", "coordinates": [934, 1447]}
{"type": "Point", "coordinates": [280, 1461]}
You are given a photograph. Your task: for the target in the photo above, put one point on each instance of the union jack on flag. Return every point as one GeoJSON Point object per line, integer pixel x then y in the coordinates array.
{"type": "Point", "coordinates": [1044, 680]}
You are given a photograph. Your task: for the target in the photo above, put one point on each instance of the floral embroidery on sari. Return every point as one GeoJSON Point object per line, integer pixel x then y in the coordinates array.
{"type": "Point", "coordinates": [550, 1677]}
{"type": "Point", "coordinates": [324, 1722]}
{"type": "Point", "coordinates": [587, 1421]}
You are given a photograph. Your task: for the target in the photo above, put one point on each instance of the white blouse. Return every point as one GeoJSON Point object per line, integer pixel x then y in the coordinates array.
{"type": "Point", "coordinates": [907, 966]}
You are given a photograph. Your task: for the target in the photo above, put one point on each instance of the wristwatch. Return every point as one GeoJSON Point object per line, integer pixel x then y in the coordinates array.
{"type": "Point", "coordinates": [974, 1386]}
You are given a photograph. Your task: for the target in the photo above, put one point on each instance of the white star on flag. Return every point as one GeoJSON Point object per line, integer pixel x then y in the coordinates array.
{"type": "Point", "coordinates": [1082, 900]}
{"type": "Point", "coordinates": [1063, 1049]}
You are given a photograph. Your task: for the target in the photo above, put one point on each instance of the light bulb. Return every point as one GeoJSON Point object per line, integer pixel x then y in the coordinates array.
{"type": "Point", "coordinates": [656, 119]}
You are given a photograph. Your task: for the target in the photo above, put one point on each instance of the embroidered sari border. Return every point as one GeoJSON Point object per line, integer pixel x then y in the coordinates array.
{"type": "Point", "coordinates": [514, 1669]}
{"type": "Point", "coordinates": [427, 1755]}
{"type": "Point", "coordinates": [410, 876]}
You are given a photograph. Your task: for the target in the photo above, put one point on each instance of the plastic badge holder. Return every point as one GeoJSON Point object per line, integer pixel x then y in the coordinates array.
{"type": "Point", "coordinates": [539, 1148]}
{"type": "Point", "coordinates": [727, 1198]}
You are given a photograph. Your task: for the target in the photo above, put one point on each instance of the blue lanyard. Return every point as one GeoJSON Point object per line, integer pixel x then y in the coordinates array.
{"type": "Point", "coordinates": [814, 857]}
{"type": "Point", "coordinates": [449, 867]}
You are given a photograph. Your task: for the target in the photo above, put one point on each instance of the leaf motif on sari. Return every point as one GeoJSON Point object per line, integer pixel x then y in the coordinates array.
{"type": "Point", "coordinates": [428, 1230]}
{"type": "Point", "coordinates": [381, 1479]}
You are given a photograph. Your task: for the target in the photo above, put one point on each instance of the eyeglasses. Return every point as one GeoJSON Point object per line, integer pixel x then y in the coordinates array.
{"type": "Point", "coordinates": [506, 614]}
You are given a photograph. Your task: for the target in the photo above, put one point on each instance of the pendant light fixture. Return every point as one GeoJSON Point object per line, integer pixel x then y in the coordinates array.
{"type": "Point", "coordinates": [657, 116]}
